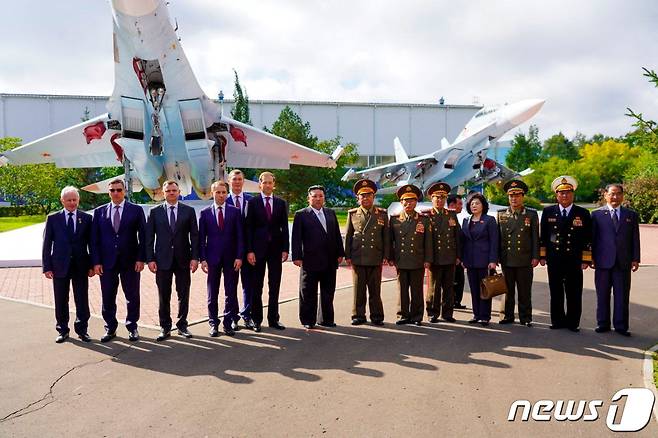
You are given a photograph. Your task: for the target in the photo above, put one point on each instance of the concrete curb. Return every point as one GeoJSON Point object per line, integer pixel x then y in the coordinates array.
{"type": "Point", "coordinates": [647, 368]}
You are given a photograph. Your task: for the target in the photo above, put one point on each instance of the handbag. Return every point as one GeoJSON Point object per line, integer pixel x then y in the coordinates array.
{"type": "Point", "coordinates": [493, 285]}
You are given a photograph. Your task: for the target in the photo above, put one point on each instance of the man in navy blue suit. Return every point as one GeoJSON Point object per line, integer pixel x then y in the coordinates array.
{"type": "Point", "coordinates": [172, 245]}
{"type": "Point", "coordinates": [267, 237]}
{"type": "Point", "coordinates": [317, 248]}
{"type": "Point", "coordinates": [221, 251]}
{"type": "Point", "coordinates": [65, 260]}
{"type": "Point", "coordinates": [615, 252]}
{"type": "Point", "coordinates": [238, 198]}
{"type": "Point", "coordinates": [118, 253]}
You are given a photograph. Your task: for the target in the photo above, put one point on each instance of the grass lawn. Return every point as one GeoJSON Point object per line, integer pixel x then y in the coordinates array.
{"type": "Point", "coordinates": [655, 369]}
{"type": "Point", "coordinates": [11, 223]}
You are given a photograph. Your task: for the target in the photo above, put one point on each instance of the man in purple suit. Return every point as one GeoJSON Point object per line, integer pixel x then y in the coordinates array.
{"type": "Point", "coordinates": [615, 252]}
{"type": "Point", "coordinates": [267, 236]}
{"type": "Point", "coordinates": [238, 198]}
{"type": "Point", "coordinates": [118, 253]}
{"type": "Point", "coordinates": [221, 251]}
{"type": "Point", "coordinates": [65, 261]}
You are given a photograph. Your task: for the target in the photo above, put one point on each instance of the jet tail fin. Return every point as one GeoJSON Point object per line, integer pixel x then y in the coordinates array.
{"type": "Point", "coordinates": [400, 154]}
{"type": "Point", "coordinates": [528, 171]}
{"type": "Point", "coordinates": [445, 144]}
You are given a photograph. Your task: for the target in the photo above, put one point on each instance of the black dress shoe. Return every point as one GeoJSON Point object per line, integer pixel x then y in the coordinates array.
{"type": "Point", "coordinates": [358, 321]}
{"type": "Point", "coordinates": [61, 338]}
{"type": "Point", "coordinates": [574, 329]}
{"type": "Point", "coordinates": [506, 321]}
{"type": "Point", "coordinates": [84, 337]}
{"type": "Point", "coordinates": [184, 332]}
{"type": "Point", "coordinates": [213, 331]}
{"type": "Point", "coordinates": [484, 323]}
{"type": "Point", "coordinates": [473, 321]}
{"type": "Point", "coordinates": [556, 327]}
{"type": "Point", "coordinates": [164, 334]}
{"type": "Point", "coordinates": [378, 323]}
{"type": "Point", "coordinates": [228, 331]}
{"type": "Point", "coordinates": [623, 332]}
{"type": "Point", "coordinates": [459, 306]}
{"type": "Point", "coordinates": [327, 324]}
{"type": "Point", "coordinates": [309, 326]}
{"type": "Point", "coordinates": [108, 336]}
{"type": "Point", "coordinates": [601, 329]}
{"type": "Point", "coordinates": [235, 326]}
{"type": "Point", "coordinates": [402, 321]}
{"type": "Point", "coordinates": [257, 328]}
{"type": "Point", "coordinates": [527, 323]}
{"type": "Point", "coordinates": [449, 319]}
{"type": "Point", "coordinates": [277, 325]}
{"type": "Point", "coordinates": [248, 323]}
{"type": "Point", "coordinates": [434, 319]}
{"type": "Point", "coordinates": [133, 335]}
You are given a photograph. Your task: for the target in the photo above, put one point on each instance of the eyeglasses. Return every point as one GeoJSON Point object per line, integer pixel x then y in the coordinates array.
{"type": "Point", "coordinates": [116, 190]}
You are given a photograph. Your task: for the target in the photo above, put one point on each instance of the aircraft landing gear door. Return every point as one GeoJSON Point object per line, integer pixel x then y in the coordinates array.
{"type": "Point", "coordinates": [127, 170]}
{"type": "Point", "coordinates": [197, 146]}
{"type": "Point", "coordinates": [452, 158]}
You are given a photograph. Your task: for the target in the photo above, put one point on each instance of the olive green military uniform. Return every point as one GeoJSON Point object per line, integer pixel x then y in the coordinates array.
{"type": "Point", "coordinates": [519, 244]}
{"type": "Point", "coordinates": [367, 243]}
{"type": "Point", "coordinates": [446, 246]}
{"type": "Point", "coordinates": [411, 247]}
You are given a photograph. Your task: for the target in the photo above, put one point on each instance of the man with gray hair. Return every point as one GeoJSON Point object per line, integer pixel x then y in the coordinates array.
{"type": "Point", "coordinates": [65, 260]}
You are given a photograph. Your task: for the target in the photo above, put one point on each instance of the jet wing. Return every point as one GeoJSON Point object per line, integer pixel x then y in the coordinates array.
{"type": "Point", "coordinates": [250, 147]}
{"type": "Point", "coordinates": [87, 144]}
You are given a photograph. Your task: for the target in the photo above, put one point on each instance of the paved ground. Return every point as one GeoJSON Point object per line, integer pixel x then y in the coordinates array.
{"type": "Point", "coordinates": [443, 379]}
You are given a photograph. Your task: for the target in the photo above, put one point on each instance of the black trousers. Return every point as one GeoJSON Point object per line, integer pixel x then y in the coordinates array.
{"type": "Point", "coordinates": [410, 299]}
{"type": "Point", "coordinates": [458, 284]}
{"type": "Point", "coordinates": [80, 281]}
{"type": "Point", "coordinates": [440, 293]}
{"type": "Point", "coordinates": [566, 280]}
{"type": "Point", "coordinates": [517, 279]}
{"type": "Point", "coordinates": [163, 279]}
{"type": "Point", "coordinates": [367, 282]}
{"type": "Point", "coordinates": [272, 261]}
{"type": "Point", "coordinates": [308, 296]}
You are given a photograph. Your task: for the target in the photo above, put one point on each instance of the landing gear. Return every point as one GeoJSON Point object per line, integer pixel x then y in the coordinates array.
{"type": "Point", "coordinates": [127, 170]}
{"type": "Point", "coordinates": [218, 162]}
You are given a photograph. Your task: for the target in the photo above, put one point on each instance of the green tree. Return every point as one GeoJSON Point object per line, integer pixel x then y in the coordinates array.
{"type": "Point", "coordinates": [559, 146]}
{"type": "Point", "coordinates": [525, 150]}
{"type": "Point", "coordinates": [610, 159]}
{"type": "Point", "coordinates": [292, 184]}
{"type": "Point", "coordinates": [240, 111]}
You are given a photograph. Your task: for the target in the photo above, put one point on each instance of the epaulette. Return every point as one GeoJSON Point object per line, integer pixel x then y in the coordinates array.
{"type": "Point", "coordinates": [380, 210]}
{"type": "Point", "coordinates": [353, 210]}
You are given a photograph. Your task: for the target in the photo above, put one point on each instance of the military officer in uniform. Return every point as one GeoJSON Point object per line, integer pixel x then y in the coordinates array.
{"type": "Point", "coordinates": [566, 234]}
{"type": "Point", "coordinates": [367, 245]}
{"type": "Point", "coordinates": [518, 228]}
{"type": "Point", "coordinates": [411, 252]}
{"type": "Point", "coordinates": [446, 246]}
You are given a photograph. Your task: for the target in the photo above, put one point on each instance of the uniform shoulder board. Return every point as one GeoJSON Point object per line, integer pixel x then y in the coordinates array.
{"type": "Point", "coordinates": [353, 210]}
{"type": "Point", "coordinates": [532, 210]}
{"type": "Point", "coordinates": [380, 210]}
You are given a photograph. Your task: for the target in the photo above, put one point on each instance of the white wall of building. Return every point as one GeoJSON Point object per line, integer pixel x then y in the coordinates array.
{"type": "Point", "coordinates": [373, 126]}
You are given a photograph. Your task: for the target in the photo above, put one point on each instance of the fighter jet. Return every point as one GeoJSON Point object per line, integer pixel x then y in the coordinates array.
{"type": "Point", "coordinates": [160, 125]}
{"type": "Point", "coordinates": [463, 160]}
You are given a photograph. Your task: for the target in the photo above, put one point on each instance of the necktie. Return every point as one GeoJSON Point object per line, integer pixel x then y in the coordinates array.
{"type": "Point", "coordinates": [69, 224]}
{"type": "Point", "coordinates": [268, 208]}
{"type": "Point", "coordinates": [564, 213]}
{"type": "Point", "coordinates": [237, 203]}
{"type": "Point", "coordinates": [615, 219]}
{"type": "Point", "coordinates": [116, 220]}
{"type": "Point", "coordinates": [323, 221]}
{"type": "Point", "coordinates": [172, 218]}
{"type": "Point", "coordinates": [220, 219]}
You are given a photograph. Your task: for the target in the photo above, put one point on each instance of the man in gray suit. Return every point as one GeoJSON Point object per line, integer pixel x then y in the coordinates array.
{"type": "Point", "coordinates": [172, 245]}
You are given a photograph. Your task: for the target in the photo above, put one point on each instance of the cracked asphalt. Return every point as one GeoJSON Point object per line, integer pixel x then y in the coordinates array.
{"type": "Point", "coordinates": [447, 379]}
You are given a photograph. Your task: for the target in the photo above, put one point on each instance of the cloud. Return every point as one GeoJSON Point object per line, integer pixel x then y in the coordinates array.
{"type": "Point", "coordinates": [583, 57]}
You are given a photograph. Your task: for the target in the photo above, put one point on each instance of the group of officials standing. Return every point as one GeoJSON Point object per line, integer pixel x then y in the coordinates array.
{"type": "Point", "coordinates": [239, 236]}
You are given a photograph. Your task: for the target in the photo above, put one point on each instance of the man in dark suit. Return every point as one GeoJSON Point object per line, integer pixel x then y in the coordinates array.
{"type": "Point", "coordinates": [616, 252]}
{"type": "Point", "coordinates": [65, 260]}
{"type": "Point", "coordinates": [118, 253]}
{"type": "Point", "coordinates": [317, 248]}
{"type": "Point", "coordinates": [267, 236]}
{"type": "Point", "coordinates": [238, 198]}
{"type": "Point", "coordinates": [221, 249]}
{"type": "Point", "coordinates": [566, 235]}
{"type": "Point", "coordinates": [455, 204]}
{"type": "Point", "coordinates": [172, 245]}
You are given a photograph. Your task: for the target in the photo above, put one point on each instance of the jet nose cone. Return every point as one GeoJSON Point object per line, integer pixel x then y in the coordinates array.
{"type": "Point", "coordinates": [526, 109]}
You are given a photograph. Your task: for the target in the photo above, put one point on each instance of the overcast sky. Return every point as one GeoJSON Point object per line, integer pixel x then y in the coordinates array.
{"type": "Point", "coordinates": [583, 57]}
